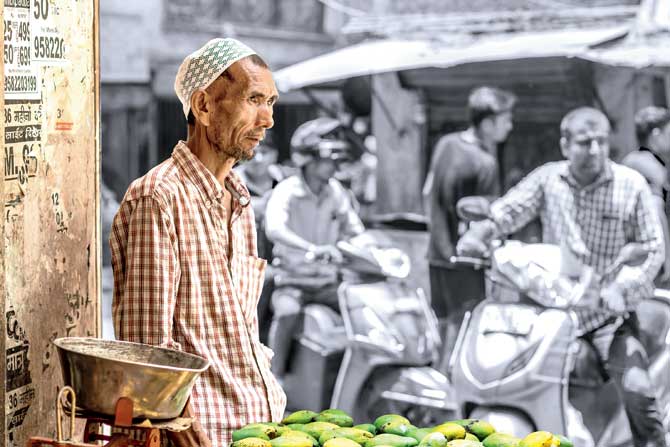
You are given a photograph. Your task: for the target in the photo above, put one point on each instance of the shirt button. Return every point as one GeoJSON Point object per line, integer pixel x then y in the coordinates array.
{"type": "Point", "coordinates": [208, 204]}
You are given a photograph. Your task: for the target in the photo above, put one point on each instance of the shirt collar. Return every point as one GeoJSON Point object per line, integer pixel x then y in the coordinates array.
{"type": "Point", "coordinates": [604, 177]}
{"type": "Point", "coordinates": [306, 191]}
{"type": "Point", "coordinates": [204, 180]}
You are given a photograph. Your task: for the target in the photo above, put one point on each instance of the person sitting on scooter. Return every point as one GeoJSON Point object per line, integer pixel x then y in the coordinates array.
{"type": "Point", "coordinates": [306, 215]}
{"type": "Point", "coordinates": [592, 207]}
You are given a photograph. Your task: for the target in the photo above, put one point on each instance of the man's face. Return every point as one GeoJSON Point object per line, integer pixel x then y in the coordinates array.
{"type": "Point", "coordinates": [497, 127]}
{"type": "Point", "coordinates": [241, 109]}
{"type": "Point", "coordinates": [662, 141]}
{"type": "Point", "coordinates": [587, 147]}
{"type": "Point", "coordinates": [323, 168]}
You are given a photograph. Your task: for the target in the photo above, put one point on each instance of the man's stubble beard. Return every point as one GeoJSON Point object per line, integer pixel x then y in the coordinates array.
{"type": "Point", "coordinates": [236, 152]}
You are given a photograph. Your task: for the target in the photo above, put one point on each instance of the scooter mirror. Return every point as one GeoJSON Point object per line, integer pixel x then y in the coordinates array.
{"type": "Point", "coordinates": [473, 208]}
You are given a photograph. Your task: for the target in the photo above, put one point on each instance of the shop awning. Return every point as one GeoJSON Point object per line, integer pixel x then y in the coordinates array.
{"type": "Point", "coordinates": [635, 55]}
{"type": "Point", "coordinates": [396, 55]}
{"type": "Point", "coordinates": [647, 44]}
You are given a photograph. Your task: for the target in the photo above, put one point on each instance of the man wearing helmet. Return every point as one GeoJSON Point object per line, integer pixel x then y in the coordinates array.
{"type": "Point", "coordinates": [307, 214]}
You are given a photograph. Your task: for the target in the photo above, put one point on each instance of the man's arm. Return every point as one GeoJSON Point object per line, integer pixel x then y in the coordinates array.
{"type": "Point", "coordinates": [637, 283]}
{"type": "Point", "coordinates": [277, 214]}
{"type": "Point", "coordinates": [521, 204]}
{"type": "Point", "coordinates": [509, 213]}
{"type": "Point", "coordinates": [351, 222]}
{"type": "Point", "coordinates": [146, 274]}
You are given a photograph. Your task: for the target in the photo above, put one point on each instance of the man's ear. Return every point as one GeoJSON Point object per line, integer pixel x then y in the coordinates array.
{"type": "Point", "coordinates": [199, 107]}
{"type": "Point", "coordinates": [564, 146]}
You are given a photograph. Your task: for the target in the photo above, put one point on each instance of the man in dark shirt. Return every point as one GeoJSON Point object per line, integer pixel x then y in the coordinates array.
{"type": "Point", "coordinates": [652, 127]}
{"type": "Point", "coordinates": [463, 164]}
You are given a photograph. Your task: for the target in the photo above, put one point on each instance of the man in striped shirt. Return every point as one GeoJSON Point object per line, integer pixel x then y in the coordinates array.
{"type": "Point", "coordinates": [592, 208]}
{"type": "Point", "coordinates": [186, 271]}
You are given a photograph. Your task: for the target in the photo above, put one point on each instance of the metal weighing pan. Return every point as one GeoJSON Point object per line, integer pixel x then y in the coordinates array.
{"type": "Point", "coordinates": [157, 380]}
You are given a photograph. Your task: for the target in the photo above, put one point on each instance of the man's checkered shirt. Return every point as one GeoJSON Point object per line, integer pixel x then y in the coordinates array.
{"type": "Point", "coordinates": [175, 285]}
{"type": "Point", "coordinates": [595, 222]}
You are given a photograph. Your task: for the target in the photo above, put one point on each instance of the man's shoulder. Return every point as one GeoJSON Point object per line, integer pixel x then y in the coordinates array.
{"type": "Point", "coordinates": [549, 172]}
{"type": "Point", "coordinates": [625, 173]}
{"type": "Point", "coordinates": [455, 150]}
{"type": "Point", "coordinates": [290, 186]}
{"type": "Point", "coordinates": [453, 142]}
{"type": "Point", "coordinates": [160, 182]}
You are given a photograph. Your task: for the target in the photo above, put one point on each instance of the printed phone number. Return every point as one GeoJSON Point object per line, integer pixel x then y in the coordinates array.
{"type": "Point", "coordinates": [20, 83]}
{"type": "Point", "coordinates": [48, 47]}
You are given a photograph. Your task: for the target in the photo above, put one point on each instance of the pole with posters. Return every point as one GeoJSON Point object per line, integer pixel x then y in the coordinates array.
{"type": "Point", "coordinates": [50, 231]}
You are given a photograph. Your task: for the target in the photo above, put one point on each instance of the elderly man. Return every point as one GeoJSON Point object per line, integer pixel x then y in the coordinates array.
{"type": "Point", "coordinates": [186, 271]}
{"type": "Point", "coordinates": [592, 208]}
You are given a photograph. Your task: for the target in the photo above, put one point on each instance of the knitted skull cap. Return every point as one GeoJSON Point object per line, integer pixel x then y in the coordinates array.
{"type": "Point", "coordinates": [200, 68]}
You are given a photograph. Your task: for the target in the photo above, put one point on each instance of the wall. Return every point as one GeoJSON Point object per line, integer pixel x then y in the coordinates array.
{"type": "Point", "coordinates": [50, 230]}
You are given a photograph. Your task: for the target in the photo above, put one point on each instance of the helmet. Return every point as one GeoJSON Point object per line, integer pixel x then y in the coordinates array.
{"type": "Point", "coordinates": [318, 138]}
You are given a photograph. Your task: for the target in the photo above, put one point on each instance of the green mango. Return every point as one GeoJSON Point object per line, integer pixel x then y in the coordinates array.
{"type": "Point", "coordinates": [563, 441]}
{"type": "Point", "coordinates": [295, 427]}
{"type": "Point", "coordinates": [391, 440]}
{"type": "Point", "coordinates": [396, 427]}
{"type": "Point", "coordinates": [370, 428]}
{"type": "Point", "coordinates": [471, 437]}
{"type": "Point", "coordinates": [434, 439]}
{"type": "Point", "coordinates": [301, 434]}
{"type": "Point", "coordinates": [538, 439]}
{"type": "Point", "coordinates": [281, 429]}
{"type": "Point", "coordinates": [451, 430]}
{"type": "Point", "coordinates": [315, 429]}
{"type": "Point", "coordinates": [341, 442]}
{"type": "Point", "coordinates": [299, 417]}
{"type": "Point", "coordinates": [335, 416]}
{"type": "Point", "coordinates": [381, 420]}
{"type": "Point", "coordinates": [258, 431]}
{"type": "Point", "coordinates": [418, 433]}
{"type": "Point", "coordinates": [251, 442]}
{"type": "Point", "coordinates": [291, 441]}
{"type": "Point", "coordinates": [501, 440]}
{"type": "Point", "coordinates": [355, 434]}
{"type": "Point", "coordinates": [481, 429]}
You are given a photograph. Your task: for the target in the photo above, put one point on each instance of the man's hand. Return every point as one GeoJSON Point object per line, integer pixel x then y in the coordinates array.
{"type": "Point", "coordinates": [613, 298]}
{"type": "Point", "coordinates": [471, 245]}
{"type": "Point", "coordinates": [194, 436]}
{"type": "Point", "coordinates": [326, 252]}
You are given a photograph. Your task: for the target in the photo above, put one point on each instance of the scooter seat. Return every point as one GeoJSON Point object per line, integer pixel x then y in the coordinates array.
{"type": "Point", "coordinates": [654, 318]}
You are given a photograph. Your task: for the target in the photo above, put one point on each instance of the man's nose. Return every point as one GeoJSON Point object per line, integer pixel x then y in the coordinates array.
{"type": "Point", "coordinates": [595, 147]}
{"type": "Point", "coordinates": [265, 119]}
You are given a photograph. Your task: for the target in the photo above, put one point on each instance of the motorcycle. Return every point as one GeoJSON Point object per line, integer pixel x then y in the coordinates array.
{"type": "Point", "coordinates": [374, 357]}
{"type": "Point", "coordinates": [519, 361]}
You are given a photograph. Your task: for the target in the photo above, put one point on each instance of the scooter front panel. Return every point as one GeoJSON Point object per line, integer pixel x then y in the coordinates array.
{"type": "Point", "coordinates": [514, 355]}
{"type": "Point", "coordinates": [388, 315]}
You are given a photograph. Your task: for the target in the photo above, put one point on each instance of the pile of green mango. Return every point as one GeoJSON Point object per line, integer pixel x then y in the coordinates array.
{"type": "Point", "coordinates": [335, 428]}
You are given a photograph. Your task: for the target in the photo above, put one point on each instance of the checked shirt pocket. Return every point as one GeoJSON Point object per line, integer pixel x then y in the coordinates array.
{"type": "Point", "coordinates": [248, 274]}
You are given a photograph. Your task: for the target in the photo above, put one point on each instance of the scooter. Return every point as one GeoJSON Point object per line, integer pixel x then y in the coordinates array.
{"type": "Point", "coordinates": [519, 361]}
{"type": "Point", "coordinates": [373, 358]}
